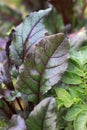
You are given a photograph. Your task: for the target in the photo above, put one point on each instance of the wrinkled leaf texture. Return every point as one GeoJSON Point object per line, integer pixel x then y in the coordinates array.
{"type": "Point", "coordinates": [64, 96]}
{"type": "Point", "coordinates": [77, 67]}
{"type": "Point", "coordinates": [74, 111]}
{"type": "Point", "coordinates": [44, 116]}
{"type": "Point", "coordinates": [27, 33]}
{"type": "Point", "coordinates": [81, 121]}
{"type": "Point", "coordinates": [80, 56]}
{"type": "Point", "coordinates": [44, 65]}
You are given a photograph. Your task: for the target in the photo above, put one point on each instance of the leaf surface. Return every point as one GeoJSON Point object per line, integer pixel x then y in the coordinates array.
{"type": "Point", "coordinates": [44, 116]}
{"type": "Point", "coordinates": [64, 96]}
{"type": "Point", "coordinates": [27, 33]}
{"type": "Point", "coordinates": [74, 112]}
{"type": "Point", "coordinates": [80, 56]}
{"type": "Point", "coordinates": [71, 78]}
{"type": "Point", "coordinates": [44, 65]}
{"type": "Point", "coordinates": [75, 68]}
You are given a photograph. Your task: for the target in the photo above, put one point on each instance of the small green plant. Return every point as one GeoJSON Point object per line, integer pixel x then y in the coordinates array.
{"type": "Point", "coordinates": [72, 93]}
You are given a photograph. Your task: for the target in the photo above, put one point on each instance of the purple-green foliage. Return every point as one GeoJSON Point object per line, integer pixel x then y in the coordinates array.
{"type": "Point", "coordinates": [32, 68]}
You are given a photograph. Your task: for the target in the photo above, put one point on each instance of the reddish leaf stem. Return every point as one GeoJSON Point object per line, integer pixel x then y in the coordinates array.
{"type": "Point", "coordinates": [8, 115]}
{"type": "Point", "coordinates": [10, 106]}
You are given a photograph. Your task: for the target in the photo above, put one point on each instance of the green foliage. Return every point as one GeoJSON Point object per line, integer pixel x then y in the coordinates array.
{"type": "Point", "coordinates": [74, 111]}
{"type": "Point", "coordinates": [81, 121]}
{"type": "Point", "coordinates": [64, 98]}
{"type": "Point", "coordinates": [74, 92]}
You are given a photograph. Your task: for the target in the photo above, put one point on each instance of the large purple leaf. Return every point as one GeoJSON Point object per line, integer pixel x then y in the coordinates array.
{"type": "Point", "coordinates": [44, 65]}
{"type": "Point", "coordinates": [27, 33]}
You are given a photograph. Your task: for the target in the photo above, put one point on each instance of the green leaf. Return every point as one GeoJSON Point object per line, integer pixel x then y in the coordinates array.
{"type": "Point", "coordinates": [74, 111]}
{"type": "Point", "coordinates": [44, 116]}
{"type": "Point", "coordinates": [60, 103]}
{"type": "Point", "coordinates": [44, 65]}
{"type": "Point", "coordinates": [71, 78]}
{"type": "Point", "coordinates": [80, 122]}
{"type": "Point", "coordinates": [27, 33]}
{"type": "Point", "coordinates": [80, 56]}
{"type": "Point", "coordinates": [77, 92]}
{"type": "Point", "coordinates": [74, 68]}
{"type": "Point", "coordinates": [64, 96]}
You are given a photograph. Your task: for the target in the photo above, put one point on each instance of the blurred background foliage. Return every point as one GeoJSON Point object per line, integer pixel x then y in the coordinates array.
{"type": "Point", "coordinates": [64, 13]}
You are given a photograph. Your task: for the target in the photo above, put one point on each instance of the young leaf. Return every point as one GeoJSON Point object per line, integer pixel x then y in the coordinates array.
{"type": "Point", "coordinates": [75, 68]}
{"type": "Point", "coordinates": [64, 96]}
{"type": "Point", "coordinates": [44, 116]}
{"type": "Point", "coordinates": [80, 56]}
{"type": "Point", "coordinates": [44, 65]}
{"type": "Point", "coordinates": [71, 78]}
{"type": "Point", "coordinates": [77, 92]}
{"type": "Point", "coordinates": [27, 33]}
{"type": "Point", "coordinates": [81, 121]}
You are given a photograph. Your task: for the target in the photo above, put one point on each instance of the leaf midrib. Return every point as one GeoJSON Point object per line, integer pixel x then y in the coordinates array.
{"type": "Point", "coordinates": [43, 71]}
